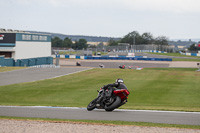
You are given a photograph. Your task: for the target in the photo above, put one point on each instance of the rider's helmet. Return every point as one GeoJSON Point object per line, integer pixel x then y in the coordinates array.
{"type": "Point", "coordinates": [119, 81]}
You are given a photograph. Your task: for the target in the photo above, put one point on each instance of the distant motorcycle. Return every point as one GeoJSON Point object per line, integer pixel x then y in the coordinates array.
{"type": "Point", "coordinates": [112, 99]}
{"type": "Point", "coordinates": [122, 66]}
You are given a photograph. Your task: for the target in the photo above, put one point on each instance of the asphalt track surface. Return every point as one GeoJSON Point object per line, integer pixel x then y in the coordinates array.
{"type": "Point", "coordinates": [169, 117]}
{"type": "Point", "coordinates": [34, 74]}
{"type": "Point", "coordinates": [116, 64]}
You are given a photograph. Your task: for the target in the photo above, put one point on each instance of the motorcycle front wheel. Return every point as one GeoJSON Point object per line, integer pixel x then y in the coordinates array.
{"type": "Point", "coordinates": [92, 105]}
{"type": "Point", "coordinates": [115, 104]}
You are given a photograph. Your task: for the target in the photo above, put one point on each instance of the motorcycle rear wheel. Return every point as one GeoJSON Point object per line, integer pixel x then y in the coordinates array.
{"type": "Point", "coordinates": [92, 105]}
{"type": "Point", "coordinates": [115, 104]}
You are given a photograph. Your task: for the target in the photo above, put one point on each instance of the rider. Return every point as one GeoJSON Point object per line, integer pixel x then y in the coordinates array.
{"type": "Point", "coordinates": [119, 84]}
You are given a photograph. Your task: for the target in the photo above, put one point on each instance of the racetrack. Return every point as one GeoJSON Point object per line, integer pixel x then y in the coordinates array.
{"type": "Point", "coordinates": [169, 117]}
{"type": "Point", "coordinates": [34, 74]}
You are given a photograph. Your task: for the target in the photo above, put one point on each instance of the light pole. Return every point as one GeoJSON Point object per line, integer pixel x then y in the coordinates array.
{"type": "Point", "coordinates": [134, 40]}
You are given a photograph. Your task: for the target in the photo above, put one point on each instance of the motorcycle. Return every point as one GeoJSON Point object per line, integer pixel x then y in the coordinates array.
{"type": "Point", "coordinates": [122, 66]}
{"type": "Point", "coordinates": [112, 99]}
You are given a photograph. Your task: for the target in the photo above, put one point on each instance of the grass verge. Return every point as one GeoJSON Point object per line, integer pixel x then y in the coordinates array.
{"type": "Point", "coordinates": [182, 59]}
{"type": "Point", "coordinates": [5, 69]}
{"type": "Point", "coordinates": [146, 124]}
{"type": "Point", "coordinates": [179, 55]}
{"type": "Point", "coordinates": [174, 54]}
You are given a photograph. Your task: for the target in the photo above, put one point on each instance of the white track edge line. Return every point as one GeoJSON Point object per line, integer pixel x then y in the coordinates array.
{"type": "Point", "coordinates": [61, 75]}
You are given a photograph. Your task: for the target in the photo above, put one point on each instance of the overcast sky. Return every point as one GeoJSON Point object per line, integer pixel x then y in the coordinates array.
{"type": "Point", "coordinates": [114, 18]}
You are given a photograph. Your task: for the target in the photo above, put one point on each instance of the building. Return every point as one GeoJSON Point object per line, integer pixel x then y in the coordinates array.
{"type": "Point", "coordinates": [26, 49]}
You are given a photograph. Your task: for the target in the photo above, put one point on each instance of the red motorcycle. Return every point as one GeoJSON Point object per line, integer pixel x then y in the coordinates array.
{"type": "Point", "coordinates": [112, 99]}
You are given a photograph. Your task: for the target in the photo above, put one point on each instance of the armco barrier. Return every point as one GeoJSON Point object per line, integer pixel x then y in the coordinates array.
{"type": "Point", "coordinates": [66, 56]}
{"type": "Point", "coordinates": [78, 57]}
{"type": "Point", "coordinates": [193, 54]}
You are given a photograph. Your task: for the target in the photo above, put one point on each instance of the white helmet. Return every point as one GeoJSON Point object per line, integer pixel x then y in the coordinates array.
{"type": "Point", "coordinates": [119, 80]}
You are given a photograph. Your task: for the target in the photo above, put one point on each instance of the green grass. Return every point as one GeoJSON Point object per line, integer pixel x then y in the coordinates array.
{"type": "Point", "coordinates": [183, 59]}
{"type": "Point", "coordinates": [156, 89]}
{"type": "Point", "coordinates": [173, 54]}
{"type": "Point", "coordinates": [178, 55]}
{"type": "Point", "coordinates": [5, 69]}
{"type": "Point", "coordinates": [146, 124]}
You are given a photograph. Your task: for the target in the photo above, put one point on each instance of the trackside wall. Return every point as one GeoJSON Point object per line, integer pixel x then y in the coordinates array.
{"type": "Point", "coordinates": [25, 62]}
{"type": "Point", "coordinates": [6, 62]}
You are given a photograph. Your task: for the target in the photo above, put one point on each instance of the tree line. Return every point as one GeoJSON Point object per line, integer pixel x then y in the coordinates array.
{"type": "Point", "coordinates": [194, 47]}
{"type": "Point", "coordinates": [134, 38]}
{"type": "Point", "coordinates": [67, 42]}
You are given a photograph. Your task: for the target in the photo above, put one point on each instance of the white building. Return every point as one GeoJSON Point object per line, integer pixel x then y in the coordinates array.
{"type": "Point", "coordinates": [23, 45]}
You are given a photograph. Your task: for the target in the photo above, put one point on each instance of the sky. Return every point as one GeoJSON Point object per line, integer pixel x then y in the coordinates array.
{"type": "Point", "coordinates": [175, 19]}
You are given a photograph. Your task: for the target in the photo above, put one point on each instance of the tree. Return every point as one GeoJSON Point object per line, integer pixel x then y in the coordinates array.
{"type": "Point", "coordinates": [131, 38]}
{"type": "Point", "coordinates": [161, 40]}
{"type": "Point", "coordinates": [193, 47]}
{"type": "Point", "coordinates": [67, 43]}
{"type": "Point", "coordinates": [112, 42]}
{"type": "Point", "coordinates": [147, 38]}
{"type": "Point", "coordinates": [82, 43]}
{"type": "Point", "coordinates": [56, 42]}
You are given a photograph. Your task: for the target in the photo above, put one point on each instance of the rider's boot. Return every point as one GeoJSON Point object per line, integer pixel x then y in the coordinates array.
{"type": "Point", "coordinates": [99, 101]}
